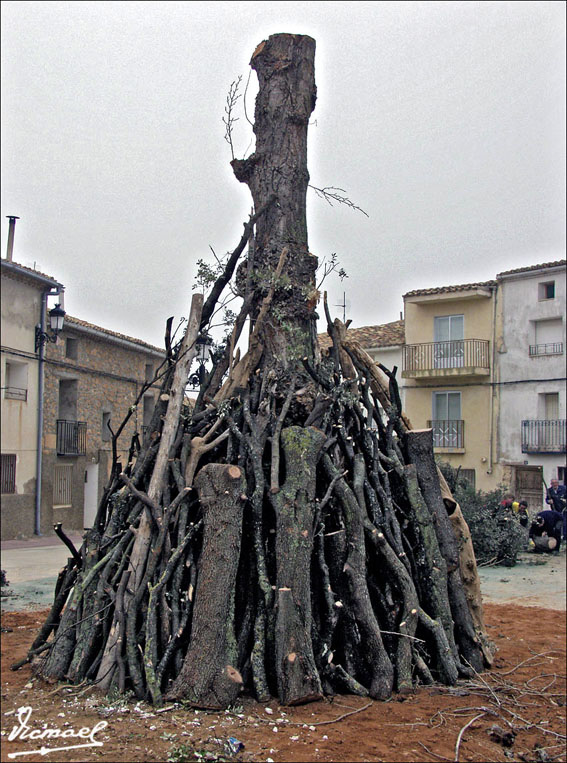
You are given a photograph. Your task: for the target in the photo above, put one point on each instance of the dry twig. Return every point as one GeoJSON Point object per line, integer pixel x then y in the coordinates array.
{"type": "Point", "coordinates": [462, 731]}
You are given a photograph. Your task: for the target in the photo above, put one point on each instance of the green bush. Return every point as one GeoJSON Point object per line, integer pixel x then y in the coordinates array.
{"type": "Point", "coordinates": [496, 533]}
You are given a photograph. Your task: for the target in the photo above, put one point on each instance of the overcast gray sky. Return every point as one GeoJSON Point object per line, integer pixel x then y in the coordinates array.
{"type": "Point", "coordinates": [444, 121]}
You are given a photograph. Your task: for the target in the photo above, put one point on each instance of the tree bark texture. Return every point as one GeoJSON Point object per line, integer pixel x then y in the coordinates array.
{"type": "Point", "coordinates": [294, 504]}
{"type": "Point", "coordinates": [289, 536]}
{"type": "Point", "coordinates": [209, 677]}
{"type": "Point", "coordinates": [285, 65]}
{"type": "Point", "coordinates": [420, 451]}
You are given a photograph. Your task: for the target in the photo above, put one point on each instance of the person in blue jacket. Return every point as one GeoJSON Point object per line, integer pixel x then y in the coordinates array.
{"type": "Point", "coordinates": [556, 497]}
{"type": "Point", "coordinates": [548, 523]}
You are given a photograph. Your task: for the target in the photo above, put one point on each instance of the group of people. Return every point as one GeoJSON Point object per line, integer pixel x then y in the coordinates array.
{"type": "Point", "coordinates": [549, 526]}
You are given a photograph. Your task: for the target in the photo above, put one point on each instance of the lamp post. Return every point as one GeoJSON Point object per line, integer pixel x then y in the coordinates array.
{"type": "Point", "coordinates": [203, 346]}
{"type": "Point", "coordinates": [56, 320]}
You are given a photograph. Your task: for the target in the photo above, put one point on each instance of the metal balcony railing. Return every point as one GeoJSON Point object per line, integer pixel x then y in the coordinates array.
{"type": "Point", "coordinates": [552, 348]}
{"type": "Point", "coordinates": [543, 436]}
{"type": "Point", "coordinates": [432, 356]}
{"type": "Point", "coordinates": [71, 438]}
{"type": "Point", "coordinates": [449, 433]}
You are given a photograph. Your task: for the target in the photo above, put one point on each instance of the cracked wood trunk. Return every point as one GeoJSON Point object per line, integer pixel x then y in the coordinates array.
{"type": "Point", "coordinates": [420, 450]}
{"type": "Point", "coordinates": [298, 679]}
{"type": "Point", "coordinates": [286, 74]}
{"type": "Point", "coordinates": [209, 677]}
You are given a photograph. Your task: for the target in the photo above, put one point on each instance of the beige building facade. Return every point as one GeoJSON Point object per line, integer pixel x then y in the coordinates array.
{"type": "Point", "coordinates": [24, 296]}
{"type": "Point", "coordinates": [449, 374]}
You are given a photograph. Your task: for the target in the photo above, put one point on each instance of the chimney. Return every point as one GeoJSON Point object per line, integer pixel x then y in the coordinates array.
{"type": "Point", "coordinates": [11, 229]}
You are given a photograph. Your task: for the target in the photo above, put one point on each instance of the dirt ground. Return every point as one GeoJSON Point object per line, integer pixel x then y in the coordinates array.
{"type": "Point", "coordinates": [515, 712]}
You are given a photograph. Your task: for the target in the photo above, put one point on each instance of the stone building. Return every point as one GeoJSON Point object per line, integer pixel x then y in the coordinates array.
{"type": "Point", "coordinates": [93, 378]}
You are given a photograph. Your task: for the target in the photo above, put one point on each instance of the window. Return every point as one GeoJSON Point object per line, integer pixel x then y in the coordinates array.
{"type": "Point", "coordinates": [447, 425]}
{"type": "Point", "coordinates": [561, 474]}
{"type": "Point", "coordinates": [470, 476]}
{"type": "Point", "coordinates": [548, 338]}
{"type": "Point", "coordinates": [106, 434]}
{"type": "Point", "coordinates": [72, 348]}
{"type": "Point", "coordinates": [546, 290]}
{"type": "Point", "coordinates": [68, 392]}
{"type": "Point", "coordinates": [148, 402]}
{"type": "Point", "coordinates": [448, 335]}
{"type": "Point", "coordinates": [549, 406]}
{"type": "Point", "coordinates": [8, 473]}
{"type": "Point", "coordinates": [149, 371]}
{"type": "Point", "coordinates": [447, 406]}
{"type": "Point", "coordinates": [62, 485]}
{"type": "Point", "coordinates": [16, 381]}
{"type": "Point", "coordinates": [148, 410]}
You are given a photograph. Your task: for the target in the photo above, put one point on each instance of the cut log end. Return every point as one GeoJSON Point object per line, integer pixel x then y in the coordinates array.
{"type": "Point", "coordinates": [233, 674]}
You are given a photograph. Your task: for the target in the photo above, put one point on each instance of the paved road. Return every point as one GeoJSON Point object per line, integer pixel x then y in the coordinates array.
{"type": "Point", "coordinates": [32, 568]}
{"type": "Point", "coordinates": [538, 580]}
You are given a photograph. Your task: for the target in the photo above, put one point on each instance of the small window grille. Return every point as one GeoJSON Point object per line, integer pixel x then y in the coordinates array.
{"type": "Point", "coordinates": [8, 473]}
{"type": "Point", "coordinates": [62, 483]}
{"type": "Point", "coordinates": [470, 476]}
{"type": "Point", "coordinates": [16, 381]}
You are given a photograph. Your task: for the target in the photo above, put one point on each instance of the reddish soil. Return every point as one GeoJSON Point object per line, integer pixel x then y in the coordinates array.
{"type": "Point", "coordinates": [524, 694]}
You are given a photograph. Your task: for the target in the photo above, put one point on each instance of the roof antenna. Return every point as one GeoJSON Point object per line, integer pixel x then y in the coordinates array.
{"type": "Point", "coordinates": [343, 304]}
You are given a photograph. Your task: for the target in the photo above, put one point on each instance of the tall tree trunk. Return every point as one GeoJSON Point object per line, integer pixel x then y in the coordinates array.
{"type": "Point", "coordinates": [298, 680]}
{"type": "Point", "coordinates": [420, 451]}
{"type": "Point", "coordinates": [209, 676]}
{"type": "Point", "coordinates": [285, 64]}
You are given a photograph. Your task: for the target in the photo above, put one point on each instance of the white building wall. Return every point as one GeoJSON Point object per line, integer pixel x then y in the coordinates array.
{"type": "Point", "coordinates": [390, 357]}
{"type": "Point", "coordinates": [525, 379]}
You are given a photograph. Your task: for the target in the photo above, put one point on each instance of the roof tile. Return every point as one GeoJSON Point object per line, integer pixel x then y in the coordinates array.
{"type": "Point", "coordinates": [31, 271]}
{"type": "Point", "coordinates": [445, 289]}
{"type": "Point", "coordinates": [384, 335]}
{"type": "Point", "coordinates": [545, 265]}
{"type": "Point", "coordinates": [70, 320]}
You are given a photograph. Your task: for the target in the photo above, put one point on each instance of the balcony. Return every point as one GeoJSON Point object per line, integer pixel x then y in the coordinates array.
{"type": "Point", "coordinates": [463, 357]}
{"type": "Point", "coordinates": [71, 438]}
{"type": "Point", "coordinates": [448, 434]}
{"type": "Point", "coordinates": [543, 436]}
{"type": "Point", "coordinates": [552, 348]}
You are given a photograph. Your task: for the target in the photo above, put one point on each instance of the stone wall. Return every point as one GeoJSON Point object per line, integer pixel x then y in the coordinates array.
{"type": "Point", "coordinates": [17, 516]}
{"type": "Point", "coordinates": [109, 375]}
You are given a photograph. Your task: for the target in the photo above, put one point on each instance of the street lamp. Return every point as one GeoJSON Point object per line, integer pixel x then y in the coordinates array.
{"type": "Point", "coordinates": [203, 346]}
{"type": "Point", "coordinates": [56, 320]}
